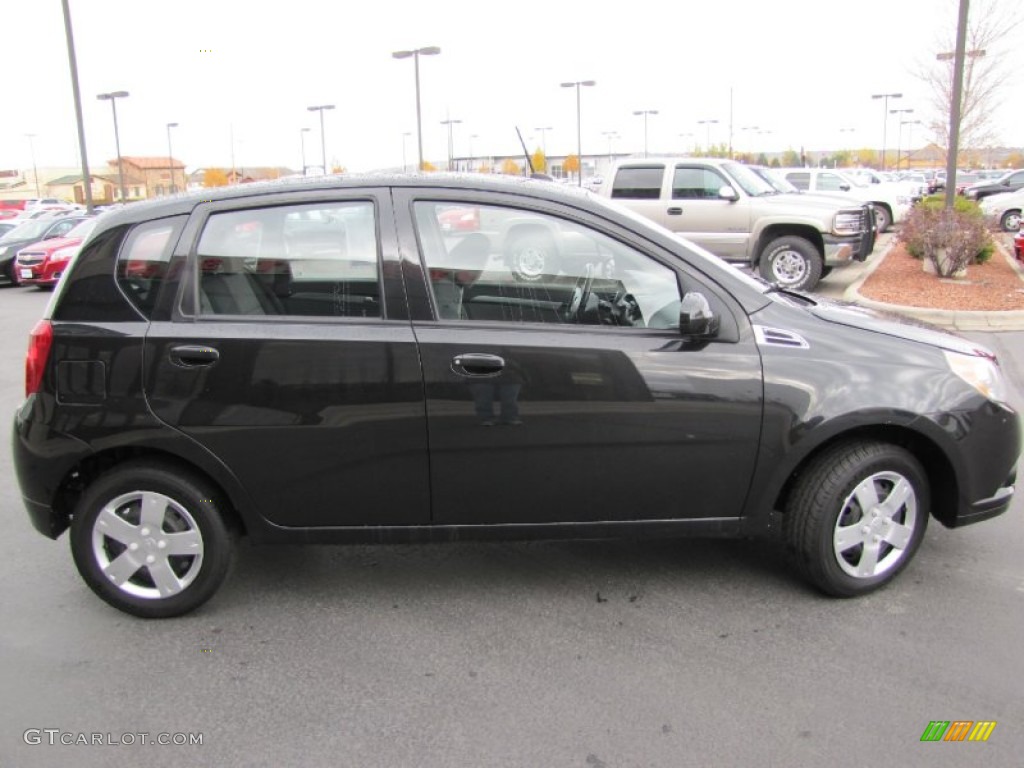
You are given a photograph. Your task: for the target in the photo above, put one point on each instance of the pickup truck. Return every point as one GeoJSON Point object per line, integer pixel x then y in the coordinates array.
{"type": "Point", "coordinates": [723, 206]}
{"type": "Point", "coordinates": [892, 202]}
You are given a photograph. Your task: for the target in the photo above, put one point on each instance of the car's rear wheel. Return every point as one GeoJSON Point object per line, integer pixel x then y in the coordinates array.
{"type": "Point", "coordinates": [1010, 221]}
{"type": "Point", "coordinates": [791, 262]}
{"type": "Point", "coordinates": [856, 517]}
{"type": "Point", "coordinates": [151, 540]}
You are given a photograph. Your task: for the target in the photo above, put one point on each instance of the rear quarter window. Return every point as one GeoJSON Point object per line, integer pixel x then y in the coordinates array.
{"type": "Point", "coordinates": [142, 264]}
{"type": "Point", "coordinates": [638, 183]}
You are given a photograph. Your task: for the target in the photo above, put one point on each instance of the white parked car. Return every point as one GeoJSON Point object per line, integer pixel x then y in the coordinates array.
{"type": "Point", "coordinates": [1004, 208]}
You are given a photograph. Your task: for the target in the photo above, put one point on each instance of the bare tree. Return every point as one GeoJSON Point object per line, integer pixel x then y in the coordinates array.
{"type": "Point", "coordinates": [990, 27]}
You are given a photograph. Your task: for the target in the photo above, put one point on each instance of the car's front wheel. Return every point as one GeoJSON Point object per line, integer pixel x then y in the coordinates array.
{"type": "Point", "coordinates": [791, 262]}
{"type": "Point", "coordinates": [1010, 221]}
{"type": "Point", "coordinates": [856, 517]}
{"type": "Point", "coordinates": [883, 219]}
{"type": "Point", "coordinates": [151, 539]}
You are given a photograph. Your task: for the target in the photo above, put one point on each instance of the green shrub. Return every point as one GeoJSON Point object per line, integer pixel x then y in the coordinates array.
{"type": "Point", "coordinates": [950, 239]}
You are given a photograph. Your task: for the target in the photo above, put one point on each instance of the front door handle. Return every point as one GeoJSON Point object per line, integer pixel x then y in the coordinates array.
{"type": "Point", "coordinates": [193, 356]}
{"type": "Point", "coordinates": [477, 364]}
{"type": "Point", "coordinates": [675, 211]}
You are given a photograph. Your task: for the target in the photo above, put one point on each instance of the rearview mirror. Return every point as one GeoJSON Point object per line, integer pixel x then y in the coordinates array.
{"type": "Point", "coordinates": [728, 193]}
{"type": "Point", "coordinates": [696, 320]}
{"type": "Point", "coordinates": [844, 187]}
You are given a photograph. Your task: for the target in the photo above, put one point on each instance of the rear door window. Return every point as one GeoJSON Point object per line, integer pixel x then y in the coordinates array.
{"type": "Point", "coordinates": [642, 183]}
{"type": "Point", "coordinates": [314, 260]}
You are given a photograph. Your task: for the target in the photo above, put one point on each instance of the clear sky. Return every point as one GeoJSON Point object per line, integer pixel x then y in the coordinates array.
{"type": "Point", "coordinates": [801, 69]}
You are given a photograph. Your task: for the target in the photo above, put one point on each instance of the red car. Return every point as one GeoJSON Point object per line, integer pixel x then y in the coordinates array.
{"type": "Point", "coordinates": [44, 262]}
{"type": "Point", "coordinates": [1018, 246]}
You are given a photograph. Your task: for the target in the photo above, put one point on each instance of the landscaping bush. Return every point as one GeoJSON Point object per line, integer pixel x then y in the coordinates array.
{"type": "Point", "coordinates": [951, 240]}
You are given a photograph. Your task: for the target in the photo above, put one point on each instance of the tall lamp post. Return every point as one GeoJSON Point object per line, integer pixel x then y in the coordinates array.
{"type": "Point", "coordinates": [708, 123]}
{"type": "Point", "coordinates": [323, 144]}
{"type": "Point", "coordinates": [32, 151]}
{"type": "Point", "coordinates": [451, 142]}
{"type": "Point", "coordinates": [910, 134]}
{"type": "Point", "coordinates": [112, 97]}
{"type": "Point", "coordinates": [405, 135]}
{"type": "Point", "coordinates": [544, 138]}
{"type": "Point", "coordinates": [431, 50]}
{"type": "Point", "coordinates": [472, 157]}
{"type": "Point", "coordinates": [610, 135]}
{"type": "Point", "coordinates": [885, 116]}
{"type": "Point", "coordinates": [645, 113]}
{"type": "Point", "coordinates": [302, 147]}
{"type": "Point", "coordinates": [579, 141]}
{"type": "Point", "coordinates": [899, 135]}
{"type": "Point", "coordinates": [170, 156]}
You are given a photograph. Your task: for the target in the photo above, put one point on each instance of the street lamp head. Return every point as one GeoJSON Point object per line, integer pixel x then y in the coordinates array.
{"type": "Point", "coordinates": [887, 95]}
{"type": "Point", "coordinates": [172, 125]}
{"type": "Point", "coordinates": [112, 95]}
{"type": "Point", "coordinates": [897, 111]}
{"type": "Point", "coordinates": [430, 50]}
{"type": "Point", "coordinates": [304, 130]}
{"type": "Point", "coordinates": [322, 106]}
{"type": "Point", "coordinates": [588, 82]}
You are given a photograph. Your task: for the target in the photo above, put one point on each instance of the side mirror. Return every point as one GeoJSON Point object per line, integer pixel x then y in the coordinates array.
{"type": "Point", "coordinates": [844, 187]}
{"type": "Point", "coordinates": [696, 320]}
{"type": "Point", "coordinates": [728, 193]}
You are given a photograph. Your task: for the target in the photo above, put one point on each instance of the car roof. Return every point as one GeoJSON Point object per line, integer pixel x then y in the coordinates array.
{"type": "Point", "coordinates": [185, 202]}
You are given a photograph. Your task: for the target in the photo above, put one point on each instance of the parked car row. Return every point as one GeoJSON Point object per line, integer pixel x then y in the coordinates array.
{"type": "Point", "coordinates": [36, 251]}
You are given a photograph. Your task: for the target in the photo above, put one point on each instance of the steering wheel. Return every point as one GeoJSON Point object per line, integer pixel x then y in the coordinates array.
{"type": "Point", "coordinates": [580, 297]}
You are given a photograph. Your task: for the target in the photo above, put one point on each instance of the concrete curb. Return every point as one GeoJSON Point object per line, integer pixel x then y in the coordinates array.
{"type": "Point", "coordinates": [954, 319]}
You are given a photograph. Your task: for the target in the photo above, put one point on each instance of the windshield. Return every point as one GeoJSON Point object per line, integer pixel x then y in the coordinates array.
{"type": "Point", "coordinates": [751, 183]}
{"type": "Point", "coordinates": [30, 230]}
{"type": "Point", "coordinates": [778, 183]}
{"type": "Point", "coordinates": [82, 230]}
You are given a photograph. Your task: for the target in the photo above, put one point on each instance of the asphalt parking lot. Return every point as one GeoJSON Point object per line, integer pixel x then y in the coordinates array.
{"type": "Point", "coordinates": [693, 653]}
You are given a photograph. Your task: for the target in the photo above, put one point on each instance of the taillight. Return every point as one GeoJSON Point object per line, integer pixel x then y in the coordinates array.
{"type": "Point", "coordinates": [39, 343]}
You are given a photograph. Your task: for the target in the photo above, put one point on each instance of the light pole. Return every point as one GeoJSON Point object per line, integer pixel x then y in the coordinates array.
{"type": "Point", "coordinates": [431, 50]}
{"type": "Point", "coordinates": [323, 143]}
{"type": "Point", "coordinates": [611, 135]}
{"type": "Point", "coordinates": [708, 123]}
{"type": "Point", "coordinates": [645, 113]}
{"type": "Point", "coordinates": [451, 143]}
{"type": "Point", "coordinates": [910, 134]}
{"type": "Point", "coordinates": [885, 116]}
{"type": "Point", "coordinates": [32, 151]}
{"type": "Point", "coordinates": [899, 135]}
{"type": "Point", "coordinates": [405, 135]}
{"type": "Point", "coordinates": [112, 97]}
{"type": "Point", "coordinates": [170, 156]}
{"type": "Point", "coordinates": [544, 138]}
{"type": "Point", "coordinates": [302, 147]}
{"type": "Point", "coordinates": [471, 156]}
{"type": "Point", "coordinates": [750, 128]}
{"type": "Point", "coordinates": [579, 140]}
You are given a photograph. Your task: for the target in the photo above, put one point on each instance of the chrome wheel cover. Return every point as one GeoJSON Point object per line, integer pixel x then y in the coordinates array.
{"type": "Point", "coordinates": [789, 267]}
{"type": "Point", "coordinates": [147, 545]}
{"type": "Point", "coordinates": [875, 525]}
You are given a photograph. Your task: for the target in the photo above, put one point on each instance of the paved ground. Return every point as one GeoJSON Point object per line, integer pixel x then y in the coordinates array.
{"type": "Point", "coordinates": [543, 654]}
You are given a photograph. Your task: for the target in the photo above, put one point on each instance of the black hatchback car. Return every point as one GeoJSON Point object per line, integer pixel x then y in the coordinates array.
{"type": "Point", "coordinates": [327, 361]}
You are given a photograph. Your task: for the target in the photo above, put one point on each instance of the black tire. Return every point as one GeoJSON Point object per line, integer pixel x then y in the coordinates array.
{"type": "Point", "coordinates": [883, 219]}
{"type": "Point", "coordinates": [1010, 221]}
{"type": "Point", "coordinates": [531, 257]}
{"type": "Point", "coordinates": [827, 501]}
{"type": "Point", "coordinates": [791, 262]}
{"type": "Point", "coordinates": [187, 508]}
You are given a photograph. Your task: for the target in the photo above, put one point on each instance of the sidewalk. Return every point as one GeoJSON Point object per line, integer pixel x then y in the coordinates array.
{"type": "Point", "coordinates": [844, 284]}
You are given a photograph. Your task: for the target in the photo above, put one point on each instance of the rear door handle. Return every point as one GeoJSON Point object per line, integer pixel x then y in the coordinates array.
{"type": "Point", "coordinates": [675, 211]}
{"type": "Point", "coordinates": [477, 364]}
{"type": "Point", "coordinates": [194, 356]}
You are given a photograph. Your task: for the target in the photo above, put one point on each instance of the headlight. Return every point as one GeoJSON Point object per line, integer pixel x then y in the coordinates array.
{"type": "Point", "coordinates": [982, 373]}
{"type": "Point", "coordinates": [847, 223]}
{"type": "Point", "coordinates": [63, 254]}
{"type": "Point", "coordinates": [903, 200]}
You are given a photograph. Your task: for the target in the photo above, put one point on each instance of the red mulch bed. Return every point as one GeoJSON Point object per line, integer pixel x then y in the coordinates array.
{"type": "Point", "coordinates": [901, 279]}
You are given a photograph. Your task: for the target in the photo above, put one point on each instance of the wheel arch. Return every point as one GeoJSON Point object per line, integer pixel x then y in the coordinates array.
{"type": "Point", "coordinates": [941, 474]}
{"type": "Point", "coordinates": [82, 475]}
